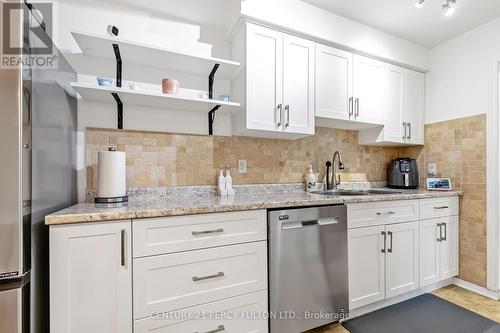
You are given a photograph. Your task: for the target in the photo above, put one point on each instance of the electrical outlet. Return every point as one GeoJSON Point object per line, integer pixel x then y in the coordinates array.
{"type": "Point", "coordinates": [242, 166]}
{"type": "Point", "coordinates": [432, 169]}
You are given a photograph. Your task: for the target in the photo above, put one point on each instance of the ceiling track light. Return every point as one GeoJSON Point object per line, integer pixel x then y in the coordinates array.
{"type": "Point", "coordinates": [448, 6]}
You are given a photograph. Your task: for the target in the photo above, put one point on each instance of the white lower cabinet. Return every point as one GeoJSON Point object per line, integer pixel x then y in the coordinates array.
{"type": "Point", "coordinates": [180, 280]}
{"type": "Point", "coordinates": [366, 266]}
{"type": "Point", "coordinates": [91, 278]}
{"type": "Point", "coordinates": [439, 249]}
{"type": "Point", "coordinates": [401, 263]}
{"type": "Point", "coordinates": [389, 257]}
{"type": "Point", "coordinates": [236, 315]}
{"type": "Point", "coordinates": [383, 262]}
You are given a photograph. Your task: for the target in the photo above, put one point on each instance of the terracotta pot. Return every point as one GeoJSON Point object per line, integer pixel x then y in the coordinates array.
{"type": "Point", "coordinates": [170, 86]}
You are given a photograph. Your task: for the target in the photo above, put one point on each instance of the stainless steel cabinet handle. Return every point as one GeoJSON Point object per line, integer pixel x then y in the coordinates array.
{"type": "Point", "coordinates": [218, 329]}
{"type": "Point", "coordinates": [387, 213]}
{"type": "Point", "coordinates": [442, 207]}
{"type": "Point", "coordinates": [445, 231]}
{"type": "Point", "coordinates": [351, 110]}
{"type": "Point", "coordinates": [390, 249]}
{"type": "Point", "coordinates": [278, 108]}
{"type": "Point", "coordinates": [196, 278]}
{"type": "Point", "coordinates": [440, 238]}
{"type": "Point", "coordinates": [122, 247]}
{"type": "Point", "coordinates": [196, 233]}
{"type": "Point", "coordinates": [404, 126]}
{"type": "Point", "coordinates": [409, 130]}
{"type": "Point", "coordinates": [287, 110]}
{"type": "Point", "coordinates": [385, 242]}
{"type": "Point", "coordinates": [356, 106]}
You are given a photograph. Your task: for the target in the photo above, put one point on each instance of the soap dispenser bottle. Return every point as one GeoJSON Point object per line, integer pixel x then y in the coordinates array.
{"type": "Point", "coordinates": [222, 183]}
{"type": "Point", "coordinates": [311, 180]}
{"type": "Point", "coordinates": [229, 182]}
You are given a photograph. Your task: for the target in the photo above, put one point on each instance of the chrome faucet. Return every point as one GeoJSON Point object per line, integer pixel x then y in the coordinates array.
{"type": "Point", "coordinates": [334, 183]}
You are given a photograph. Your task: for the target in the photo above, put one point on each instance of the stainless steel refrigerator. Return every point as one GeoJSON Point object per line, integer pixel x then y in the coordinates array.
{"type": "Point", "coordinates": [37, 177]}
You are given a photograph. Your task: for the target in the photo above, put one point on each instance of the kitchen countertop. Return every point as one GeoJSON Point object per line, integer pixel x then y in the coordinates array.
{"type": "Point", "coordinates": [173, 206]}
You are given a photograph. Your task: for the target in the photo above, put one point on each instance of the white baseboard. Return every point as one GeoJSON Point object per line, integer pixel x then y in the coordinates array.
{"type": "Point", "coordinates": [382, 304]}
{"type": "Point", "coordinates": [477, 289]}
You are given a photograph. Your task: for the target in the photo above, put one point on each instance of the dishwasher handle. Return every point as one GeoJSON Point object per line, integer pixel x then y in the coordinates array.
{"type": "Point", "coordinates": [313, 223]}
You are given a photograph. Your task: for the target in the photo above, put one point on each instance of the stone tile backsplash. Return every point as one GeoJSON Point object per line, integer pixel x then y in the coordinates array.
{"type": "Point", "coordinates": [163, 159]}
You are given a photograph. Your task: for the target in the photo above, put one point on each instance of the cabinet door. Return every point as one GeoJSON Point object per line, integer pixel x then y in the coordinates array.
{"type": "Point", "coordinates": [91, 278]}
{"type": "Point", "coordinates": [333, 83]}
{"type": "Point", "coordinates": [366, 266]}
{"type": "Point", "coordinates": [368, 89]}
{"type": "Point", "coordinates": [394, 103]}
{"type": "Point", "coordinates": [429, 240]}
{"type": "Point", "coordinates": [264, 78]}
{"type": "Point", "coordinates": [401, 269]}
{"type": "Point", "coordinates": [298, 85]}
{"type": "Point", "coordinates": [449, 247]}
{"type": "Point", "coordinates": [415, 106]}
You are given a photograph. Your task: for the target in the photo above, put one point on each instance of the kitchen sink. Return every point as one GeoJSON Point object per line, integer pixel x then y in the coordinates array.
{"type": "Point", "coordinates": [356, 192]}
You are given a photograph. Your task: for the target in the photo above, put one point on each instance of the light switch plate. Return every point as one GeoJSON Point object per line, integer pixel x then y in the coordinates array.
{"type": "Point", "coordinates": [432, 169]}
{"type": "Point", "coordinates": [242, 166]}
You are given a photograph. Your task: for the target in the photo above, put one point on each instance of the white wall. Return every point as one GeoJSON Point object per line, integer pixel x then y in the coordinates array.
{"type": "Point", "coordinates": [321, 24]}
{"type": "Point", "coordinates": [93, 16]}
{"type": "Point", "coordinates": [462, 74]}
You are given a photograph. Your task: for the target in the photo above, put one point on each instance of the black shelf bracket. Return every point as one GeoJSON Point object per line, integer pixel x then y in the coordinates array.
{"type": "Point", "coordinates": [211, 81]}
{"type": "Point", "coordinates": [211, 119]}
{"type": "Point", "coordinates": [118, 57]}
{"type": "Point", "coordinates": [119, 106]}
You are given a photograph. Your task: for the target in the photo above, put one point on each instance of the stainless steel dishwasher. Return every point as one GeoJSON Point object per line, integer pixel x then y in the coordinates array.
{"type": "Point", "coordinates": [308, 279]}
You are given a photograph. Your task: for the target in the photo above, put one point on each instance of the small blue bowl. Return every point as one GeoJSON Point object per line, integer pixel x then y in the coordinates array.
{"type": "Point", "coordinates": [103, 82]}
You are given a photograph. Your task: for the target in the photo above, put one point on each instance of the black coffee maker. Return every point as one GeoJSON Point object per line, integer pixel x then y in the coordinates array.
{"type": "Point", "coordinates": [402, 173]}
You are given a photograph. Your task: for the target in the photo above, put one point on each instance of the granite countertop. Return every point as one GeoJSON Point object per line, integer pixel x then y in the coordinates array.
{"type": "Point", "coordinates": [173, 206]}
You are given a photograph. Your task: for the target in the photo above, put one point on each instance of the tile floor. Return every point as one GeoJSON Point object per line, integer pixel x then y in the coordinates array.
{"type": "Point", "coordinates": [469, 300]}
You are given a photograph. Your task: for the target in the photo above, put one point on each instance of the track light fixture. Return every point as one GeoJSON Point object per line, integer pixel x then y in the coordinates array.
{"type": "Point", "coordinates": [448, 6]}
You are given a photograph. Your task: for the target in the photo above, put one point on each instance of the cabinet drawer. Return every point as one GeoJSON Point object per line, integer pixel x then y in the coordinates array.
{"type": "Point", "coordinates": [180, 280]}
{"type": "Point", "coordinates": [182, 233]}
{"type": "Point", "coordinates": [204, 318]}
{"type": "Point", "coordinates": [384, 212]}
{"type": "Point", "coordinates": [438, 207]}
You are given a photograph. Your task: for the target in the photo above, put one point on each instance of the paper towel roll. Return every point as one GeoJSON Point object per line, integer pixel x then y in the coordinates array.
{"type": "Point", "coordinates": [111, 177]}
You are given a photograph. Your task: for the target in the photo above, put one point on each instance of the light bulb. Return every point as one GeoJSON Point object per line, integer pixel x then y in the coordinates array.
{"type": "Point", "coordinates": [419, 4]}
{"type": "Point", "coordinates": [448, 9]}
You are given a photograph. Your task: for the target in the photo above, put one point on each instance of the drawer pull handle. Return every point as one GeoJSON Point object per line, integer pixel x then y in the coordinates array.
{"type": "Point", "coordinates": [385, 242]}
{"type": "Point", "coordinates": [442, 207]}
{"type": "Point", "coordinates": [196, 278]}
{"type": "Point", "coordinates": [218, 329]}
{"type": "Point", "coordinates": [388, 213]}
{"type": "Point", "coordinates": [196, 233]}
{"type": "Point", "coordinates": [390, 235]}
{"type": "Point", "coordinates": [122, 247]}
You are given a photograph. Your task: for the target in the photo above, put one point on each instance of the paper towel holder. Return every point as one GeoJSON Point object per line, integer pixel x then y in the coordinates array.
{"type": "Point", "coordinates": [111, 200]}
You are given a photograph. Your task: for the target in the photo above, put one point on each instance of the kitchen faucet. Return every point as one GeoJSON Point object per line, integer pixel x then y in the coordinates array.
{"type": "Point", "coordinates": [334, 183]}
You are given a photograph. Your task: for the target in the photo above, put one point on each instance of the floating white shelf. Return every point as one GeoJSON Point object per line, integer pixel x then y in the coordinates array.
{"type": "Point", "coordinates": [152, 56]}
{"type": "Point", "coordinates": [150, 98]}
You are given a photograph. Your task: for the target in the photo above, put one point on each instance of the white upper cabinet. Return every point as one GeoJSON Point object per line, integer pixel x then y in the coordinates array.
{"type": "Point", "coordinates": [414, 107]}
{"type": "Point", "coordinates": [277, 84]}
{"type": "Point", "coordinates": [264, 80]}
{"type": "Point", "coordinates": [298, 85]}
{"type": "Point", "coordinates": [334, 99]}
{"type": "Point", "coordinates": [403, 92]}
{"type": "Point", "coordinates": [368, 90]}
{"type": "Point", "coordinates": [394, 103]}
